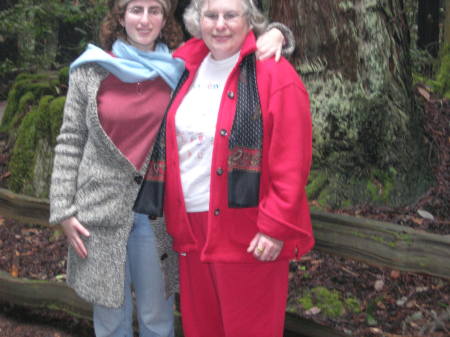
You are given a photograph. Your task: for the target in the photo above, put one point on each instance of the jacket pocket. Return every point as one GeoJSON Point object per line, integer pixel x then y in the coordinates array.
{"type": "Point", "coordinates": [103, 203]}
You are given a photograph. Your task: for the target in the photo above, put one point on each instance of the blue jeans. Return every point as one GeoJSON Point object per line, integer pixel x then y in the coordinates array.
{"type": "Point", "coordinates": [143, 274]}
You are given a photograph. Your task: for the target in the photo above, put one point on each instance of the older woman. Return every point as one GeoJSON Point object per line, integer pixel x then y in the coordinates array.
{"type": "Point", "coordinates": [114, 107]}
{"type": "Point", "coordinates": [230, 164]}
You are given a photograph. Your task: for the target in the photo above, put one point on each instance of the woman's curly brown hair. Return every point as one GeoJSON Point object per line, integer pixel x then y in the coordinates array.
{"type": "Point", "coordinates": [111, 29]}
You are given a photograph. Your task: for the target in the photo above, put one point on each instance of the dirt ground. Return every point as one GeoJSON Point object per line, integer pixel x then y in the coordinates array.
{"type": "Point", "coordinates": [20, 322]}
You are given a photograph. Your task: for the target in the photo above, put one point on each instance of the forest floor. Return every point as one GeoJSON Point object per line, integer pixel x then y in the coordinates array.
{"type": "Point", "coordinates": [388, 302]}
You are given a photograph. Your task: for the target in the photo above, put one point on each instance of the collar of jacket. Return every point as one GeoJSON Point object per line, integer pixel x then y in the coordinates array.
{"type": "Point", "coordinates": [194, 51]}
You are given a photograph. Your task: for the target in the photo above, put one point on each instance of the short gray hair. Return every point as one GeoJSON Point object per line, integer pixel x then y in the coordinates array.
{"type": "Point", "coordinates": [256, 20]}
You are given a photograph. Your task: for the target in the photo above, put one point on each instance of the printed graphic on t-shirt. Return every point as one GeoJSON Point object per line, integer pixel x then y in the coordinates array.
{"type": "Point", "coordinates": [195, 122]}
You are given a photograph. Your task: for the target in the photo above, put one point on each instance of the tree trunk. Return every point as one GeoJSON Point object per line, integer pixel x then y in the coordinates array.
{"type": "Point", "coordinates": [26, 36]}
{"type": "Point", "coordinates": [38, 35]}
{"type": "Point", "coordinates": [287, 13]}
{"type": "Point", "coordinates": [446, 39]}
{"type": "Point", "coordinates": [354, 59]}
{"type": "Point", "coordinates": [428, 26]}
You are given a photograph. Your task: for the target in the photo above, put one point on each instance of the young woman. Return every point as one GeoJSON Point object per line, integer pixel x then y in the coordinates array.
{"type": "Point", "coordinates": [114, 108]}
{"type": "Point", "coordinates": [232, 159]}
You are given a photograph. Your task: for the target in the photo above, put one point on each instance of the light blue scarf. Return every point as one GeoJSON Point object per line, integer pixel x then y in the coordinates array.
{"type": "Point", "coordinates": [133, 65]}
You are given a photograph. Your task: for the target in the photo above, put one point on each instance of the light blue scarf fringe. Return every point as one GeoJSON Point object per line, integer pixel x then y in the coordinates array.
{"type": "Point", "coordinates": [132, 65]}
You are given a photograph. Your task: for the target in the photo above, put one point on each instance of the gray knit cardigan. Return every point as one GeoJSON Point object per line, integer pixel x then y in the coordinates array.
{"type": "Point", "coordinates": [94, 182]}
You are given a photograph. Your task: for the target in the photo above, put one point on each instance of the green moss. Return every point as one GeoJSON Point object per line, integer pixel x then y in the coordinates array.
{"type": "Point", "coordinates": [381, 184]}
{"type": "Point", "coordinates": [55, 114]}
{"type": "Point", "coordinates": [22, 158]}
{"type": "Point", "coordinates": [346, 5]}
{"type": "Point", "coordinates": [24, 105]}
{"type": "Point", "coordinates": [306, 302]}
{"type": "Point", "coordinates": [330, 302]}
{"type": "Point", "coordinates": [353, 305]}
{"type": "Point", "coordinates": [37, 84]}
{"type": "Point", "coordinates": [35, 126]}
{"type": "Point", "coordinates": [11, 107]}
{"type": "Point", "coordinates": [367, 122]}
{"type": "Point", "coordinates": [442, 83]}
{"type": "Point", "coordinates": [318, 180]}
{"type": "Point", "coordinates": [63, 76]}
{"type": "Point", "coordinates": [43, 123]}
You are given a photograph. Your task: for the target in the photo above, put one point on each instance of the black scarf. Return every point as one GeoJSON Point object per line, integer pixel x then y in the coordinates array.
{"type": "Point", "coordinates": [245, 150]}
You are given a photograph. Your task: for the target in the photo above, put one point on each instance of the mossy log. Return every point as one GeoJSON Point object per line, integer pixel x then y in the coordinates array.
{"type": "Point", "coordinates": [382, 244]}
{"type": "Point", "coordinates": [24, 208]}
{"type": "Point", "coordinates": [373, 242]}
{"type": "Point", "coordinates": [42, 294]}
{"type": "Point", "coordinates": [58, 296]}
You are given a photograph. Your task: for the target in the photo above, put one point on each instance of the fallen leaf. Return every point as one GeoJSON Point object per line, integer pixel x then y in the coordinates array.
{"type": "Point", "coordinates": [376, 331]}
{"type": "Point", "coordinates": [350, 272]}
{"type": "Point", "coordinates": [379, 284]}
{"type": "Point", "coordinates": [421, 289]}
{"type": "Point", "coordinates": [395, 274]}
{"type": "Point", "coordinates": [401, 302]}
{"type": "Point", "coordinates": [424, 93]}
{"type": "Point", "coordinates": [426, 215]}
{"type": "Point", "coordinates": [14, 270]}
{"type": "Point", "coordinates": [313, 311]}
{"type": "Point", "coordinates": [411, 304]}
{"type": "Point", "coordinates": [414, 325]}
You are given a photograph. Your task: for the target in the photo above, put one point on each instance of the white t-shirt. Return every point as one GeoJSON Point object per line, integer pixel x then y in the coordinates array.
{"type": "Point", "coordinates": [195, 123]}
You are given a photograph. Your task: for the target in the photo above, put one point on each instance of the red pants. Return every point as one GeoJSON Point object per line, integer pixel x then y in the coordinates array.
{"type": "Point", "coordinates": [231, 299]}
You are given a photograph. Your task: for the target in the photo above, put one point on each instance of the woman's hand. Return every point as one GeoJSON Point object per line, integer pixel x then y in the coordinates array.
{"type": "Point", "coordinates": [73, 228]}
{"type": "Point", "coordinates": [269, 44]}
{"type": "Point", "coordinates": [265, 248]}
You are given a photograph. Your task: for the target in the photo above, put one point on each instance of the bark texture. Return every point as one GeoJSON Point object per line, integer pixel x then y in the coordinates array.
{"type": "Point", "coordinates": [368, 140]}
{"type": "Point", "coordinates": [447, 23]}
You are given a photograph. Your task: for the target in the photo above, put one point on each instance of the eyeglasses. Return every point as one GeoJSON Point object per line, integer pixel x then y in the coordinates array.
{"type": "Point", "coordinates": [228, 17]}
{"type": "Point", "coordinates": [152, 11]}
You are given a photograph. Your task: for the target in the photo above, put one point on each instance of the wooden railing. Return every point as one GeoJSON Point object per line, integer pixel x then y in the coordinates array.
{"type": "Point", "coordinates": [373, 242]}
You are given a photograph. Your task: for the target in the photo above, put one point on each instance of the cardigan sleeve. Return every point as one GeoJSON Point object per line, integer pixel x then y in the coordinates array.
{"type": "Point", "coordinates": [69, 149]}
{"type": "Point", "coordinates": [289, 39]}
{"type": "Point", "coordinates": [283, 209]}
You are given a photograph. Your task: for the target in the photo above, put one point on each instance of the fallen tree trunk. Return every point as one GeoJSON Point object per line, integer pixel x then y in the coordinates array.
{"type": "Point", "coordinates": [373, 242]}
{"type": "Point", "coordinates": [382, 244]}
{"type": "Point", "coordinates": [42, 294]}
{"type": "Point", "coordinates": [23, 208]}
{"type": "Point", "coordinates": [58, 296]}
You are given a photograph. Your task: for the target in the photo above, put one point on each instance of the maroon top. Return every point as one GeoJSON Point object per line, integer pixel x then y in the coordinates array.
{"type": "Point", "coordinates": [131, 113]}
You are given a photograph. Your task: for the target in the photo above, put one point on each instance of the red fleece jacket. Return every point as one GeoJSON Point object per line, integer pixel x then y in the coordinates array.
{"type": "Point", "coordinates": [283, 211]}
